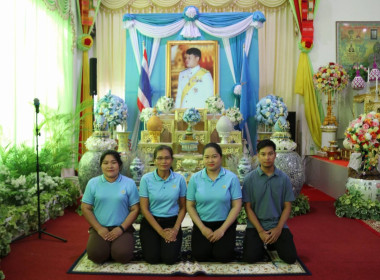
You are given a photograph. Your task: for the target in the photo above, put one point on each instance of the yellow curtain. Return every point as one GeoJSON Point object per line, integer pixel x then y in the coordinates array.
{"type": "Point", "coordinates": [305, 86]}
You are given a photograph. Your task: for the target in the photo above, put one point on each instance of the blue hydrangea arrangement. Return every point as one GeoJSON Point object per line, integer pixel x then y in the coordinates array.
{"type": "Point", "coordinates": [110, 110]}
{"type": "Point", "coordinates": [269, 109]}
{"type": "Point", "coordinates": [191, 115]}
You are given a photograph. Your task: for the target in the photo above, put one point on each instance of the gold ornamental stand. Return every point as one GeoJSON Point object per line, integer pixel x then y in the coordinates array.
{"type": "Point", "coordinates": [330, 119]}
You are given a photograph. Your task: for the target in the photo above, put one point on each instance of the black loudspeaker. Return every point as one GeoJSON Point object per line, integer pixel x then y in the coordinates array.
{"type": "Point", "coordinates": [292, 122]}
{"type": "Point", "coordinates": [93, 77]}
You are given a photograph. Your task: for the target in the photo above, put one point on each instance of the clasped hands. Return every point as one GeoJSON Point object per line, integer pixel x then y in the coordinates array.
{"type": "Point", "coordinates": [212, 236]}
{"type": "Point", "coordinates": [169, 234]}
{"type": "Point", "coordinates": [270, 236]}
{"type": "Point", "coordinates": [110, 235]}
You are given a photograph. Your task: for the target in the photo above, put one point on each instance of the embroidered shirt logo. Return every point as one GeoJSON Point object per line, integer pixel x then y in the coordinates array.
{"type": "Point", "coordinates": [174, 186]}
{"type": "Point", "coordinates": [122, 191]}
{"type": "Point", "coordinates": [224, 186]}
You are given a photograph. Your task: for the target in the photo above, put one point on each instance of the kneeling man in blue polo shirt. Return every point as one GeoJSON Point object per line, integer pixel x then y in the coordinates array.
{"type": "Point", "coordinates": [267, 198]}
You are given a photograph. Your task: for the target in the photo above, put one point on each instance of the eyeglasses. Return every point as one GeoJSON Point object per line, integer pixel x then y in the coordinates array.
{"type": "Point", "coordinates": [163, 158]}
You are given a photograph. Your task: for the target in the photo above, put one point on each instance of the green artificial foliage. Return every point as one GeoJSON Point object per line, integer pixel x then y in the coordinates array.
{"type": "Point", "coordinates": [18, 198]}
{"type": "Point", "coordinates": [20, 160]}
{"type": "Point", "coordinates": [352, 204]}
{"type": "Point", "coordinates": [242, 217]}
{"type": "Point", "coordinates": [300, 206]}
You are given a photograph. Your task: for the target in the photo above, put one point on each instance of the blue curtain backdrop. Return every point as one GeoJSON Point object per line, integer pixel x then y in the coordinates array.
{"type": "Point", "coordinates": [226, 83]}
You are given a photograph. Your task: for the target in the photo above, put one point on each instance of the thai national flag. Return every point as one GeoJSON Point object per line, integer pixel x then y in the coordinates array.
{"type": "Point", "coordinates": [144, 93]}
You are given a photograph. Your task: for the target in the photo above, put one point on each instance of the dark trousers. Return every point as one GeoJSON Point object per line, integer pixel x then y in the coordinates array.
{"type": "Point", "coordinates": [120, 250]}
{"type": "Point", "coordinates": [253, 246]}
{"type": "Point", "coordinates": [222, 250]}
{"type": "Point", "coordinates": [154, 248]}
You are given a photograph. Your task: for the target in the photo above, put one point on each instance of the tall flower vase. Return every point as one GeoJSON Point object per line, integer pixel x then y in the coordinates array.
{"type": "Point", "coordinates": [89, 167]}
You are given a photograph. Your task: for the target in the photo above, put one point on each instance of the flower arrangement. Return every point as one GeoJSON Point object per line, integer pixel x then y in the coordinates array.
{"type": "Point", "coordinates": [234, 115]}
{"type": "Point", "coordinates": [237, 89]}
{"type": "Point", "coordinates": [331, 78]}
{"type": "Point", "coordinates": [363, 135]}
{"type": "Point", "coordinates": [165, 104]}
{"type": "Point", "coordinates": [145, 114]}
{"type": "Point", "coordinates": [110, 110]}
{"type": "Point", "coordinates": [191, 13]}
{"type": "Point", "coordinates": [269, 109]}
{"type": "Point", "coordinates": [191, 115]}
{"type": "Point", "coordinates": [214, 104]}
{"type": "Point", "coordinates": [94, 143]}
{"type": "Point", "coordinates": [363, 71]}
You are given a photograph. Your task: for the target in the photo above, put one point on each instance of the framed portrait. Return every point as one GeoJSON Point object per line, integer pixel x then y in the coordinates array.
{"type": "Point", "coordinates": [357, 42]}
{"type": "Point", "coordinates": [180, 79]}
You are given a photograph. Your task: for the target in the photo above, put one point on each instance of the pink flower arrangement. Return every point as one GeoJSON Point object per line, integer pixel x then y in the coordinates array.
{"type": "Point", "coordinates": [332, 77]}
{"type": "Point", "coordinates": [363, 134]}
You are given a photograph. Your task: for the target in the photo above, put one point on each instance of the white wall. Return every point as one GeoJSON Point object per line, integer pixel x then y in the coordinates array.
{"type": "Point", "coordinates": [330, 11]}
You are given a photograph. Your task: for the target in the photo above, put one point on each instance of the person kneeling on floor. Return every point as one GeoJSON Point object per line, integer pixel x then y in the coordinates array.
{"type": "Point", "coordinates": [267, 198]}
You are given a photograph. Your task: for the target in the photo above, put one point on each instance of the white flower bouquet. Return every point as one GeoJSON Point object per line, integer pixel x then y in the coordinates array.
{"type": "Point", "coordinates": [110, 110]}
{"type": "Point", "coordinates": [214, 104]}
{"type": "Point", "coordinates": [94, 143]}
{"type": "Point", "coordinates": [165, 104]}
{"type": "Point", "coordinates": [145, 114]}
{"type": "Point", "coordinates": [269, 109]}
{"type": "Point", "coordinates": [191, 115]}
{"type": "Point", "coordinates": [234, 115]}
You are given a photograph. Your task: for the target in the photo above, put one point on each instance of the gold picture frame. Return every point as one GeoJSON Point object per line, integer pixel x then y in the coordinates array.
{"type": "Point", "coordinates": [357, 42]}
{"type": "Point", "coordinates": [175, 62]}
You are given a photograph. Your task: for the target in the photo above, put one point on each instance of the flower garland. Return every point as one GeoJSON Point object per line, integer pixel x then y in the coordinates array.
{"type": "Point", "coordinates": [363, 71]}
{"type": "Point", "coordinates": [234, 115]}
{"type": "Point", "coordinates": [145, 114]}
{"type": "Point", "coordinates": [191, 115]}
{"type": "Point", "coordinates": [110, 111]}
{"type": "Point", "coordinates": [214, 104]}
{"type": "Point", "coordinates": [332, 78]}
{"type": "Point", "coordinates": [269, 109]}
{"type": "Point", "coordinates": [165, 104]}
{"type": "Point", "coordinates": [363, 135]}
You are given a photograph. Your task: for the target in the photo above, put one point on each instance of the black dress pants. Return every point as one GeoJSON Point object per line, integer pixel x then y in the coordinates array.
{"type": "Point", "coordinates": [222, 250]}
{"type": "Point", "coordinates": [154, 247]}
{"type": "Point", "coordinates": [254, 247]}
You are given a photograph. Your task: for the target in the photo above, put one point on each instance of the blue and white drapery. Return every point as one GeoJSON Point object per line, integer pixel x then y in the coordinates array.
{"type": "Point", "coordinates": [234, 31]}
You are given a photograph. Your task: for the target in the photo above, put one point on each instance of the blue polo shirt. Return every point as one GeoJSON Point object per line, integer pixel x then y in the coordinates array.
{"type": "Point", "coordinates": [267, 196]}
{"type": "Point", "coordinates": [163, 194]}
{"type": "Point", "coordinates": [111, 201]}
{"type": "Point", "coordinates": [213, 198]}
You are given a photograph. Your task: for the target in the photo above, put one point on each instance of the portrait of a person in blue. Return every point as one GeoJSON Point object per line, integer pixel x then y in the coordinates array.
{"type": "Point", "coordinates": [213, 202]}
{"type": "Point", "coordinates": [110, 205]}
{"type": "Point", "coordinates": [163, 205]}
{"type": "Point", "coordinates": [267, 197]}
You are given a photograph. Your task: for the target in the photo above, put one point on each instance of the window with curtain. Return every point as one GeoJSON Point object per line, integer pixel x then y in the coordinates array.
{"type": "Point", "coordinates": [37, 62]}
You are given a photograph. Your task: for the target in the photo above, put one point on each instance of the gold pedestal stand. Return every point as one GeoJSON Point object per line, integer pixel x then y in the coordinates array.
{"type": "Point", "coordinates": [330, 119]}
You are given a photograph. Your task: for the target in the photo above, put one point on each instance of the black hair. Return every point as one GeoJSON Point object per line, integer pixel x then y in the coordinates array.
{"type": "Point", "coordinates": [113, 153]}
{"type": "Point", "coordinates": [266, 143]}
{"type": "Point", "coordinates": [195, 52]}
{"type": "Point", "coordinates": [215, 146]}
{"type": "Point", "coordinates": [161, 148]}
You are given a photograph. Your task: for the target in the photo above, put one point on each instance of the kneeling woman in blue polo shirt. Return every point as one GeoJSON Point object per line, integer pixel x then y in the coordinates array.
{"type": "Point", "coordinates": [213, 202]}
{"type": "Point", "coordinates": [110, 204]}
{"type": "Point", "coordinates": [163, 205]}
